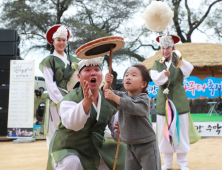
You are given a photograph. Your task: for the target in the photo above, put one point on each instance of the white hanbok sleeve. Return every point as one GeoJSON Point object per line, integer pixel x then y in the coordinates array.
{"type": "Point", "coordinates": [111, 125]}
{"type": "Point", "coordinates": [52, 88]}
{"type": "Point", "coordinates": [73, 115]}
{"type": "Point", "coordinates": [158, 78]}
{"type": "Point", "coordinates": [186, 68]}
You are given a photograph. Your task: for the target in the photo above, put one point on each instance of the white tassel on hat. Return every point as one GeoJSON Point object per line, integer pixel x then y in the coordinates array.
{"type": "Point", "coordinates": [158, 15]}
{"type": "Point", "coordinates": [61, 33]}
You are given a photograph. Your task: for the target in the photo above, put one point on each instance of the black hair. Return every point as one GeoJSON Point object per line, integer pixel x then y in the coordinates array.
{"type": "Point", "coordinates": [144, 73]}
{"type": "Point", "coordinates": [52, 47]}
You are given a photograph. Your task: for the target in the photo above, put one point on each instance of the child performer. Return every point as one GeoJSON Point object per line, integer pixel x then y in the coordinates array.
{"type": "Point", "coordinates": [134, 124]}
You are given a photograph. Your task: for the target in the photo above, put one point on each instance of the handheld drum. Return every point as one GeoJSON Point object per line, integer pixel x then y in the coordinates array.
{"type": "Point", "coordinates": [176, 59]}
{"type": "Point", "coordinates": [100, 47]}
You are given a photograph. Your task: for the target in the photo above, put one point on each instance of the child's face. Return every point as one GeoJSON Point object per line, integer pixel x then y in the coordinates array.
{"type": "Point", "coordinates": [133, 81]}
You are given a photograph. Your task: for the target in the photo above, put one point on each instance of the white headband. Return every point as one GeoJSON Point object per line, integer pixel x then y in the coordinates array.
{"type": "Point", "coordinates": [166, 41]}
{"type": "Point", "coordinates": [60, 33]}
{"type": "Point", "coordinates": [88, 62]}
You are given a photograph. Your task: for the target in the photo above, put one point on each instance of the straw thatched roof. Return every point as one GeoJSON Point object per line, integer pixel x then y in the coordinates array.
{"type": "Point", "coordinates": [198, 54]}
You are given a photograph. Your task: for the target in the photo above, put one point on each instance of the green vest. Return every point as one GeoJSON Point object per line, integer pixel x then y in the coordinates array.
{"type": "Point", "coordinates": [176, 90]}
{"type": "Point", "coordinates": [62, 74]}
{"type": "Point", "coordinates": [88, 143]}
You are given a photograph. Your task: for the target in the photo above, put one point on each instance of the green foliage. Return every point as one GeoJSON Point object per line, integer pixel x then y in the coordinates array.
{"type": "Point", "coordinates": [92, 19]}
{"type": "Point", "coordinates": [87, 19]}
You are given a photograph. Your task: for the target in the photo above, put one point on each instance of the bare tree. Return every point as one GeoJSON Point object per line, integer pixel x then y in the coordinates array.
{"type": "Point", "coordinates": [187, 19]}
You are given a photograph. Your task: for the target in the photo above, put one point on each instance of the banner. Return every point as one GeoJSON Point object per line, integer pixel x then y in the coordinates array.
{"type": "Point", "coordinates": [195, 87]}
{"type": "Point", "coordinates": [205, 129]}
{"type": "Point", "coordinates": [21, 98]}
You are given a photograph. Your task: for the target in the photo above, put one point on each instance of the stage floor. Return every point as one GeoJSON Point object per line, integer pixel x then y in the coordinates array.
{"type": "Point", "coordinates": [203, 155]}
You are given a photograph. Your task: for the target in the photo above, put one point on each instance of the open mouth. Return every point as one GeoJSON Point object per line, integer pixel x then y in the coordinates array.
{"type": "Point", "coordinates": [128, 82]}
{"type": "Point", "coordinates": [93, 80]}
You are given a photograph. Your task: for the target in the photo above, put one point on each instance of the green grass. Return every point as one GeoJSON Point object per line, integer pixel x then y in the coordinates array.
{"type": "Point", "coordinates": [203, 117]}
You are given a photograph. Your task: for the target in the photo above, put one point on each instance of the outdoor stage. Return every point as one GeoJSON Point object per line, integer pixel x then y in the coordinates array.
{"type": "Point", "coordinates": [203, 155]}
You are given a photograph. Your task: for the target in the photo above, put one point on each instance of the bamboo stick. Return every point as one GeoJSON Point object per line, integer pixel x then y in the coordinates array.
{"type": "Point", "coordinates": [117, 150]}
{"type": "Point", "coordinates": [110, 59]}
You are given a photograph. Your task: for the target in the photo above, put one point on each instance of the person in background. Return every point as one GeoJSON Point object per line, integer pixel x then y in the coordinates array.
{"type": "Point", "coordinates": [57, 71]}
{"type": "Point", "coordinates": [38, 93]}
{"type": "Point", "coordinates": [177, 95]}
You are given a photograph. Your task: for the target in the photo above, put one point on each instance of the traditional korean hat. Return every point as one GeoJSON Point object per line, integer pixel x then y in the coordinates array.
{"type": "Point", "coordinates": [88, 62]}
{"type": "Point", "coordinates": [99, 47]}
{"type": "Point", "coordinates": [158, 16]}
{"type": "Point", "coordinates": [167, 40]}
{"type": "Point", "coordinates": [57, 31]}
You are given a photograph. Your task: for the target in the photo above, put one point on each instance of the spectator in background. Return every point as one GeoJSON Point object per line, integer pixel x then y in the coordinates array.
{"type": "Point", "coordinates": [38, 93]}
{"type": "Point", "coordinates": [57, 70]}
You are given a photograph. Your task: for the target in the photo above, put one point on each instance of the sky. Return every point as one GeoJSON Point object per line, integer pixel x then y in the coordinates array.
{"type": "Point", "coordinates": [197, 37]}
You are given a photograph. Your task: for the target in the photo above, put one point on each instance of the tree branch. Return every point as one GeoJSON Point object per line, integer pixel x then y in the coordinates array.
{"type": "Point", "coordinates": [136, 39]}
{"type": "Point", "coordinates": [142, 45]}
{"type": "Point", "coordinates": [88, 14]}
{"type": "Point", "coordinates": [197, 24]}
{"type": "Point", "coordinates": [53, 2]}
{"type": "Point", "coordinates": [24, 33]}
{"type": "Point", "coordinates": [204, 33]}
{"type": "Point", "coordinates": [176, 5]}
{"type": "Point", "coordinates": [188, 14]}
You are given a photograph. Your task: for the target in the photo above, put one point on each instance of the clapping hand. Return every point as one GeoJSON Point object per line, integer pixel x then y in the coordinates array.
{"type": "Point", "coordinates": [88, 97]}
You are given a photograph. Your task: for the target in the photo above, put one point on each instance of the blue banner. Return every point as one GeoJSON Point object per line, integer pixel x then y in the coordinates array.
{"type": "Point", "coordinates": [194, 87]}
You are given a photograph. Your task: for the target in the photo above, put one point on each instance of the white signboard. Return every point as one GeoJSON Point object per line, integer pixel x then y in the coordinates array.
{"type": "Point", "coordinates": [21, 98]}
{"type": "Point", "coordinates": [209, 128]}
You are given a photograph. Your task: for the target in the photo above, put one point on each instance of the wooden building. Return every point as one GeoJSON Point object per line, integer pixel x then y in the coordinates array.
{"type": "Point", "coordinates": [205, 57]}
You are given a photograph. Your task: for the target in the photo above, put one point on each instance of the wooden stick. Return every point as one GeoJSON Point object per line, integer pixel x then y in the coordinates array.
{"type": "Point", "coordinates": [110, 59]}
{"type": "Point", "coordinates": [110, 71]}
{"type": "Point", "coordinates": [168, 80]}
{"type": "Point", "coordinates": [117, 150]}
